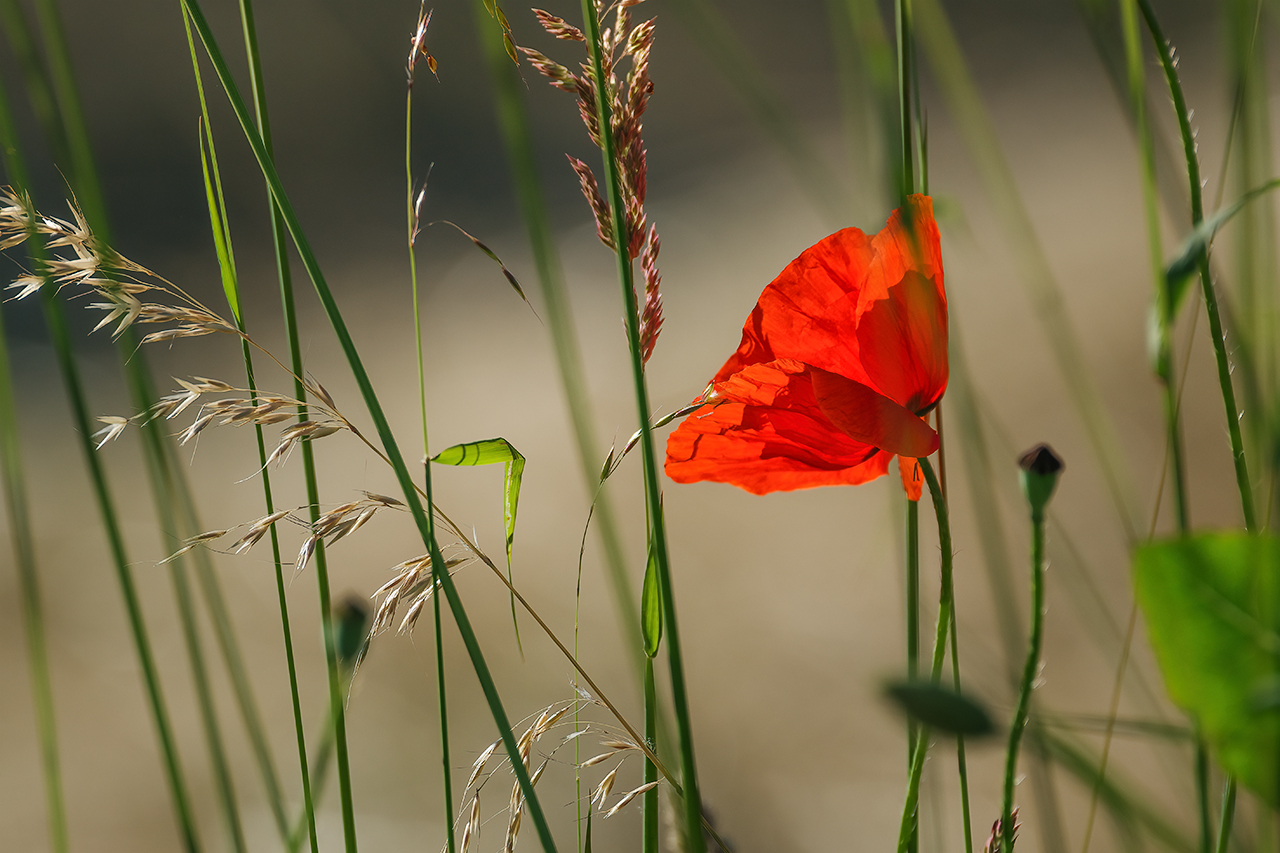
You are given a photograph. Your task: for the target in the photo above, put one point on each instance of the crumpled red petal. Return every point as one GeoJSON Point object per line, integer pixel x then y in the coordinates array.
{"type": "Point", "coordinates": [865, 415]}
{"type": "Point", "coordinates": [769, 434]}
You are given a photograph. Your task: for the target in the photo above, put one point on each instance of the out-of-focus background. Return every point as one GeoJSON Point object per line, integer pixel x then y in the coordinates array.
{"type": "Point", "coordinates": [791, 604]}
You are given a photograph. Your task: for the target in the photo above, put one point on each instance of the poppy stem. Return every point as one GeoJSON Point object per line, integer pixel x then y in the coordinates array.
{"type": "Point", "coordinates": [1028, 676]}
{"type": "Point", "coordinates": [907, 828]}
{"type": "Point", "coordinates": [913, 632]}
{"type": "Point", "coordinates": [902, 21]}
{"type": "Point", "coordinates": [653, 497]}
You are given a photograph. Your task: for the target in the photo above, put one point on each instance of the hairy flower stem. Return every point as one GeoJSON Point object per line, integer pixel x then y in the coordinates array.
{"type": "Point", "coordinates": [1028, 674]}
{"type": "Point", "coordinates": [1164, 51]}
{"type": "Point", "coordinates": [913, 633]}
{"type": "Point", "coordinates": [653, 497]}
{"type": "Point", "coordinates": [946, 599]}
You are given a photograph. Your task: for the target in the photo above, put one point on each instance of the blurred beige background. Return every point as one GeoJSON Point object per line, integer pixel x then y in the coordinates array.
{"type": "Point", "coordinates": [790, 605]}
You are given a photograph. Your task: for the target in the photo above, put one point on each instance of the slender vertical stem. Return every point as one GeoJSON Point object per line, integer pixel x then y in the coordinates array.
{"type": "Point", "coordinates": [1164, 50]}
{"type": "Point", "coordinates": [518, 140]}
{"type": "Point", "coordinates": [902, 22]}
{"type": "Point", "coordinates": [688, 767]}
{"type": "Point", "coordinates": [422, 518]}
{"type": "Point", "coordinates": [962, 763]}
{"type": "Point", "coordinates": [946, 598]}
{"type": "Point", "coordinates": [649, 829]}
{"type": "Point", "coordinates": [1202, 793]}
{"type": "Point", "coordinates": [411, 237]}
{"type": "Point", "coordinates": [21, 532]}
{"type": "Point", "coordinates": [1028, 674]}
{"type": "Point", "coordinates": [913, 632]}
{"type": "Point", "coordinates": [1228, 814]}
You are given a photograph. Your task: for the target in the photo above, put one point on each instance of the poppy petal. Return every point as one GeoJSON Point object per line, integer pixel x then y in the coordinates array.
{"type": "Point", "coordinates": [867, 416]}
{"type": "Point", "coordinates": [912, 479]}
{"type": "Point", "coordinates": [769, 434]}
{"type": "Point", "coordinates": [903, 343]}
{"type": "Point", "coordinates": [810, 310]}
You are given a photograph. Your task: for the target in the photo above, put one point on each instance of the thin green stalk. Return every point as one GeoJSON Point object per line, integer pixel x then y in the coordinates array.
{"type": "Point", "coordinates": [60, 336]}
{"type": "Point", "coordinates": [15, 493]}
{"type": "Point", "coordinates": [913, 634]}
{"type": "Point", "coordinates": [1164, 367]}
{"type": "Point", "coordinates": [411, 239]}
{"type": "Point", "coordinates": [649, 826]}
{"type": "Point", "coordinates": [1228, 815]}
{"type": "Point", "coordinates": [390, 447]}
{"type": "Point", "coordinates": [1028, 673]}
{"type": "Point", "coordinates": [903, 27]}
{"type": "Point", "coordinates": [1202, 793]}
{"type": "Point", "coordinates": [513, 121]}
{"type": "Point", "coordinates": [946, 599]}
{"type": "Point", "coordinates": [170, 490]}
{"type": "Point", "coordinates": [962, 764]}
{"type": "Point", "coordinates": [653, 496]}
{"type": "Point", "coordinates": [964, 104]}
{"type": "Point", "coordinates": [1164, 50]}
{"type": "Point", "coordinates": [208, 714]}
{"type": "Point", "coordinates": [741, 69]}
{"type": "Point", "coordinates": [226, 259]}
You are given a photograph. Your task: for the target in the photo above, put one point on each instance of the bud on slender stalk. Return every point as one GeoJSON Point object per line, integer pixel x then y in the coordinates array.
{"type": "Point", "coordinates": [1040, 469]}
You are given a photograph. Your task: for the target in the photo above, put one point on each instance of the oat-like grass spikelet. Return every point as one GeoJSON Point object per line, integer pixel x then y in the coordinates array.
{"type": "Point", "coordinates": [628, 797]}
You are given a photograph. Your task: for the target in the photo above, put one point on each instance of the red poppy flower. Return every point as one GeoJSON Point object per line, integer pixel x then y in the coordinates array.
{"type": "Point", "coordinates": [844, 354]}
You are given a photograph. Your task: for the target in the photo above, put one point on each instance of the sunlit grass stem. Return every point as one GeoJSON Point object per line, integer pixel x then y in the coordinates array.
{"type": "Point", "coordinates": [411, 238]}
{"type": "Point", "coordinates": [1029, 671]}
{"type": "Point", "coordinates": [946, 599]}
{"type": "Point", "coordinates": [60, 336]}
{"type": "Point", "coordinates": [390, 446]}
{"type": "Point", "coordinates": [22, 534]}
{"type": "Point", "coordinates": [653, 496]}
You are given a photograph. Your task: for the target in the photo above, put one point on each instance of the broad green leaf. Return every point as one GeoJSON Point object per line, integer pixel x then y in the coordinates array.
{"type": "Point", "coordinates": [940, 707]}
{"type": "Point", "coordinates": [651, 607]}
{"type": "Point", "coordinates": [489, 452]}
{"type": "Point", "coordinates": [1212, 606]}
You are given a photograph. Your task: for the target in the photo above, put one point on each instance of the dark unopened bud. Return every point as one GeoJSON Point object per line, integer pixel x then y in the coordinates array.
{"type": "Point", "coordinates": [350, 630]}
{"type": "Point", "coordinates": [1040, 469]}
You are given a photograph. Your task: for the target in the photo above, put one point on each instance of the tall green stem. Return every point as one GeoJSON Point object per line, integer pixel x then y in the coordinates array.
{"type": "Point", "coordinates": [649, 828]}
{"type": "Point", "coordinates": [946, 598]}
{"type": "Point", "coordinates": [653, 496]}
{"type": "Point", "coordinates": [1028, 674]}
{"type": "Point", "coordinates": [913, 634]}
{"type": "Point", "coordinates": [15, 494]}
{"type": "Point", "coordinates": [411, 237]}
{"type": "Point", "coordinates": [1164, 50]}
{"type": "Point", "coordinates": [391, 449]}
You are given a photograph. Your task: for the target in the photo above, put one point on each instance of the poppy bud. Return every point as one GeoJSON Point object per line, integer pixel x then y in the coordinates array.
{"type": "Point", "coordinates": [350, 631]}
{"type": "Point", "coordinates": [1040, 469]}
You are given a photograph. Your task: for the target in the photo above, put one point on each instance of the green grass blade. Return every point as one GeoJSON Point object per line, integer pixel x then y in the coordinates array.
{"type": "Point", "coordinates": [513, 121]}
{"type": "Point", "coordinates": [488, 452]}
{"type": "Point", "coordinates": [741, 70]}
{"type": "Point", "coordinates": [376, 413]}
{"type": "Point", "coordinates": [60, 335]}
{"type": "Point", "coordinates": [964, 104]}
{"type": "Point", "coordinates": [20, 530]}
{"type": "Point", "coordinates": [280, 250]}
{"type": "Point", "coordinates": [653, 489]}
